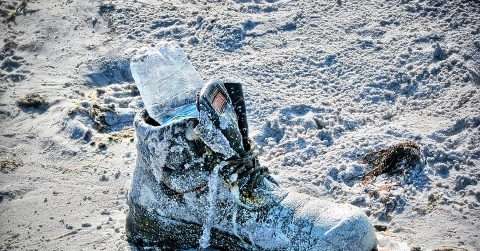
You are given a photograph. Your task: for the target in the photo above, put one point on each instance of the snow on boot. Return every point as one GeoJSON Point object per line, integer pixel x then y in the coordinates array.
{"type": "Point", "coordinates": [198, 183]}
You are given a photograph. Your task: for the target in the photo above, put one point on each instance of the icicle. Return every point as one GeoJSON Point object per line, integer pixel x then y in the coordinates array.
{"type": "Point", "coordinates": [236, 197]}
{"type": "Point", "coordinates": [212, 201]}
{"type": "Point", "coordinates": [234, 220]}
{"type": "Point", "coordinates": [234, 189]}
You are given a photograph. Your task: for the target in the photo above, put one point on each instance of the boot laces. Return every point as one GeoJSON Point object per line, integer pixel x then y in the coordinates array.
{"type": "Point", "coordinates": [244, 174]}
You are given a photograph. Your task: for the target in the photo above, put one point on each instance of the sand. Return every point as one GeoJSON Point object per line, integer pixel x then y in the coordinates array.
{"type": "Point", "coordinates": [326, 82]}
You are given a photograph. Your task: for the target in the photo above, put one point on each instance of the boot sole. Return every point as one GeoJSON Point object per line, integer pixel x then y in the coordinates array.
{"type": "Point", "coordinates": [147, 230]}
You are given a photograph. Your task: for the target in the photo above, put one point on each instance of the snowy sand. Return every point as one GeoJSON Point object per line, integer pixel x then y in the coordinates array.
{"type": "Point", "coordinates": [326, 82]}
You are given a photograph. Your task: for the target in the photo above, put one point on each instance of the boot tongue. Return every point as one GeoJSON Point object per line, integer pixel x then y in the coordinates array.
{"type": "Point", "coordinates": [218, 124]}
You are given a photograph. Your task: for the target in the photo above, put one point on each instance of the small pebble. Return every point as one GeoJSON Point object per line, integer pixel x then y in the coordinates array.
{"type": "Point", "coordinates": [380, 228]}
{"type": "Point", "coordinates": [102, 146]}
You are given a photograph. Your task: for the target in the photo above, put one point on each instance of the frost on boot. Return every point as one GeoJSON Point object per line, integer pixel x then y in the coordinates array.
{"type": "Point", "coordinates": [195, 187]}
{"type": "Point", "coordinates": [168, 199]}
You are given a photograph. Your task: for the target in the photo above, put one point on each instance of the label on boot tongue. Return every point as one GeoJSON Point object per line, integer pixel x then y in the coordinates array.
{"type": "Point", "coordinates": [218, 125]}
{"type": "Point", "coordinates": [219, 102]}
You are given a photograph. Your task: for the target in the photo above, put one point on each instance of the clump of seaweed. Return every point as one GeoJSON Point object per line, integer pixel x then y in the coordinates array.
{"type": "Point", "coordinates": [8, 165]}
{"type": "Point", "coordinates": [394, 159]}
{"type": "Point", "coordinates": [32, 100]}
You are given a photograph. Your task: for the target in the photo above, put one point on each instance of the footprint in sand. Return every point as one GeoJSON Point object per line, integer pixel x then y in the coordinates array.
{"type": "Point", "coordinates": [11, 65]}
{"type": "Point", "coordinates": [111, 107]}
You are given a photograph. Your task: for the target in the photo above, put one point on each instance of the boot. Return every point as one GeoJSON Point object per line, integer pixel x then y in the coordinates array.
{"type": "Point", "coordinates": [198, 184]}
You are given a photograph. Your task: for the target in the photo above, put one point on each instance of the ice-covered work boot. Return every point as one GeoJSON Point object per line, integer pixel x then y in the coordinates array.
{"type": "Point", "coordinates": [198, 183]}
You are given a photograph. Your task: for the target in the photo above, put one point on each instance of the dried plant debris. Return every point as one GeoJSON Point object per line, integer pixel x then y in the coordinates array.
{"type": "Point", "coordinates": [13, 10]}
{"type": "Point", "coordinates": [103, 118]}
{"type": "Point", "coordinates": [394, 159]}
{"type": "Point", "coordinates": [444, 248]}
{"type": "Point", "coordinates": [9, 166]}
{"type": "Point", "coordinates": [106, 110]}
{"type": "Point", "coordinates": [125, 134]}
{"type": "Point", "coordinates": [32, 100]}
{"type": "Point", "coordinates": [99, 115]}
